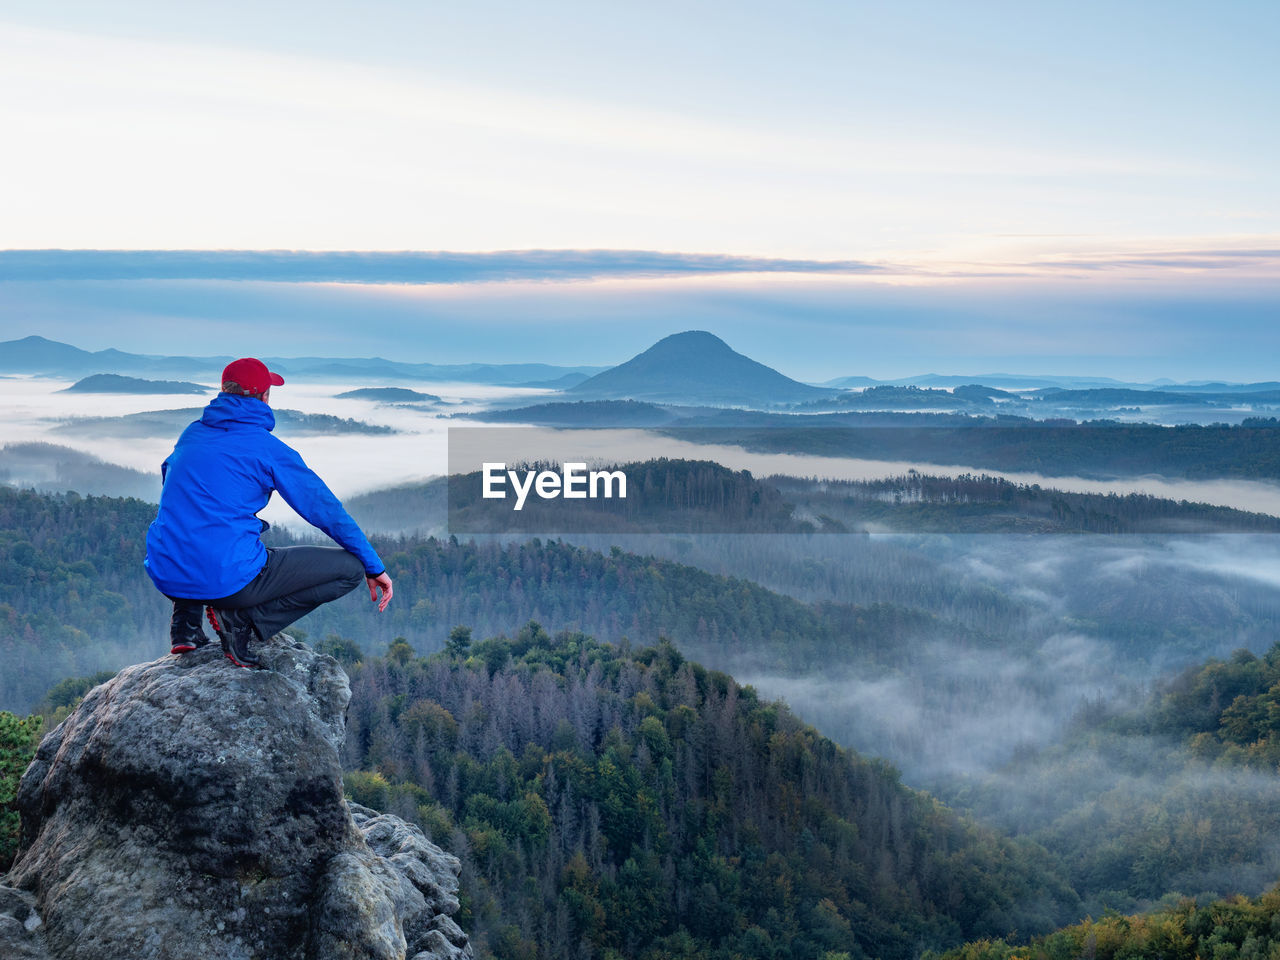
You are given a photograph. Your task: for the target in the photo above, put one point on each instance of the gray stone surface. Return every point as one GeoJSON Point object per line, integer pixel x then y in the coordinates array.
{"type": "Point", "coordinates": [21, 936]}
{"type": "Point", "coordinates": [423, 884]}
{"type": "Point", "coordinates": [192, 809]}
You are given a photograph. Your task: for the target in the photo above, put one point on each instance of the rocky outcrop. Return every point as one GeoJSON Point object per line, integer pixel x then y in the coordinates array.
{"type": "Point", "coordinates": [192, 809]}
{"type": "Point", "coordinates": [20, 935]}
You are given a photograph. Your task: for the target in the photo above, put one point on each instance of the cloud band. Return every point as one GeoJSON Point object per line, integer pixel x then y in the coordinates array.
{"type": "Point", "coordinates": [287, 266]}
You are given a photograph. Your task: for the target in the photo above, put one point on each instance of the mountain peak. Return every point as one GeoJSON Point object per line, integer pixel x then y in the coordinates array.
{"type": "Point", "coordinates": [693, 367]}
{"type": "Point", "coordinates": [37, 354]}
{"type": "Point", "coordinates": [692, 340]}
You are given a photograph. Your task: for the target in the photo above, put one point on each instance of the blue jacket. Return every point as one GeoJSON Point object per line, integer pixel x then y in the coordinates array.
{"type": "Point", "coordinates": [205, 541]}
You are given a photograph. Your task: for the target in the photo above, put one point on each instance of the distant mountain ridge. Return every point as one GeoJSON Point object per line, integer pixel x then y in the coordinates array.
{"type": "Point", "coordinates": [169, 423]}
{"type": "Point", "coordinates": [50, 468]}
{"type": "Point", "coordinates": [41, 356]}
{"type": "Point", "coordinates": [388, 395]}
{"type": "Point", "coordinates": [114, 383]}
{"type": "Point", "coordinates": [1040, 381]}
{"type": "Point", "coordinates": [696, 367]}
{"type": "Point", "coordinates": [37, 355]}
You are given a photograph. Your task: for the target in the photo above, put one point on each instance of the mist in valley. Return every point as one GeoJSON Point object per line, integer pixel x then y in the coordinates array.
{"type": "Point", "coordinates": [1037, 723]}
{"type": "Point", "coordinates": [1002, 699]}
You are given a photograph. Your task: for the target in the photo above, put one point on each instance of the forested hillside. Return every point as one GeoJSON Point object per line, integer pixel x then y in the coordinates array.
{"type": "Point", "coordinates": [618, 594]}
{"type": "Point", "coordinates": [915, 639]}
{"type": "Point", "coordinates": [1139, 800]}
{"type": "Point", "coordinates": [51, 468]}
{"type": "Point", "coordinates": [1226, 712]}
{"type": "Point", "coordinates": [1178, 793]}
{"type": "Point", "coordinates": [1101, 449]}
{"type": "Point", "coordinates": [73, 594]}
{"type": "Point", "coordinates": [919, 503]}
{"type": "Point", "coordinates": [169, 423]}
{"type": "Point", "coordinates": [1220, 929]}
{"type": "Point", "coordinates": [703, 498]}
{"type": "Point", "coordinates": [615, 801]}
{"type": "Point", "coordinates": [76, 598]}
{"type": "Point", "coordinates": [681, 496]}
{"type": "Point", "coordinates": [18, 739]}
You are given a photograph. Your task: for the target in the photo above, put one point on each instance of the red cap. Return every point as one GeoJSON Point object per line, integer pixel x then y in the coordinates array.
{"type": "Point", "coordinates": [252, 375]}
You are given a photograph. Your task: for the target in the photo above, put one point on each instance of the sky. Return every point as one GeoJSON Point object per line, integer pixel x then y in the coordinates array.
{"type": "Point", "coordinates": [862, 174]}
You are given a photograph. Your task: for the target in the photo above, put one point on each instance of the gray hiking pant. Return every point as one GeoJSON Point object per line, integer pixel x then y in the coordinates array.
{"type": "Point", "coordinates": [292, 583]}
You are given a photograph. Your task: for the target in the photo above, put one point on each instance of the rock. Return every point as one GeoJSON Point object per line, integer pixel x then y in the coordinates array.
{"type": "Point", "coordinates": [426, 893]}
{"type": "Point", "coordinates": [20, 935]}
{"type": "Point", "coordinates": [399, 896]}
{"type": "Point", "coordinates": [192, 809]}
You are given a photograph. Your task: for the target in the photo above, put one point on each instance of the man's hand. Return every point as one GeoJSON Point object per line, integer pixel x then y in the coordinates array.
{"type": "Point", "coordinates": [379, 583]}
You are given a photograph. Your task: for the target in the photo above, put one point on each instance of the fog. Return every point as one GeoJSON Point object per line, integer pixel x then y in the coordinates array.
{"type": "Point", "coordinates": [1065, 619]}
{"type": "Point", "coordinates": [472, 446]}
{"type": "Point", "coordinates": [962, 713]}
{"type": "Point", "coordinates": [31, 408]}
{"type": "Point", "coordinates": [1011, 723]}
{"type": "Point", "coordinates": [994, 704]}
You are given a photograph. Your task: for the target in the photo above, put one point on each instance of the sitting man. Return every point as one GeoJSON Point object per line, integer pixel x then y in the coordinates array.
{"type": "Point", "coordinates": [204, 547]}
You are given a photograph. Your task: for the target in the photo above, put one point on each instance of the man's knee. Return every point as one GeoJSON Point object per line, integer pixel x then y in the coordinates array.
{"type": "Point", "coordinates": [352, 570]}
{"type": "Point", "coordinates": [336, 566]}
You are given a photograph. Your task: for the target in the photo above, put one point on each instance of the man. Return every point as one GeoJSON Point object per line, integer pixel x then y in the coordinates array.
{"type": "Point", "coordinates": [204, 548]}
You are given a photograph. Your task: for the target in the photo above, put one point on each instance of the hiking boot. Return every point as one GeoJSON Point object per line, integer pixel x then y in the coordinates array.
{"type": "Point", "coordinates": [185, 632]}
{"type": "Point", "coordinates": [235, 630]}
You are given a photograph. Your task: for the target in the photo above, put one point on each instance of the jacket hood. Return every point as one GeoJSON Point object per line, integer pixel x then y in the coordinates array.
{"type": "Point", "coordinates": [226, 409]}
